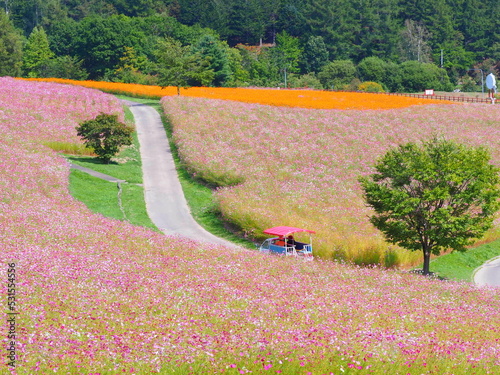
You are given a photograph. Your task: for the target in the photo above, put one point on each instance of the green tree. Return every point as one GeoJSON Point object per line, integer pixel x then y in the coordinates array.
{"type": "Point", "coordinates": [260, 65]}
{"type": "Point", "coordinates": [105, 135]}
{"type": "Point", "coordinates": [240, 76]}
{"type": "Point", "coordinates": [100, 42]}
{"type": "Point", "coordinates": [478, 22]}
{"type": "Point", "coordinates": [36, 52]}
{"type": "Point", "coordinates": [10, 47]}
{"type": "Point", "coordinates": [373, 69]}
{"type": "Point", "coordinates": [248, 22]}
{"type": "Point", "coordinates": [316, 54]}
{"type": "Point", "coordinates": [305, 81]}
{"type": "Point", "coordinates": [28, 14]}
{"type": "Point", "coordinates": [335, 21]}
{"type": "Point", "coordinates": [417, 76]}
{"type": "Point", "coordinates": [337, 74]}
{"type": "Point", "coordinates": [434, 196]}
{"type": "Point", "coordinates": [133, 68]}
{"type": "Point", "coordinates": [178, 67]}
{"type": "Point", "coordinates": [287, 54]}
{"type": "Point", "coordinates": [291, 17]}
{"type": "Point", "coordinates": [67, 67]}
{"type": "Point", "coordinates": [387, 73]}
{"type": "Point", "coordinates": [217, 54]}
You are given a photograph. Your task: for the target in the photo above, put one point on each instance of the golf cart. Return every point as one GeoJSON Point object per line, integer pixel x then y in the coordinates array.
{"type": "Point", "coordinates": [285, 243]}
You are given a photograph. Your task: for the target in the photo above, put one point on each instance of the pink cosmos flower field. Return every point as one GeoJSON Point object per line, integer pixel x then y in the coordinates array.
{"type": "Point", "coordinates": [100, 296]}
{"type": "Point", "coordinates": [300, 167]}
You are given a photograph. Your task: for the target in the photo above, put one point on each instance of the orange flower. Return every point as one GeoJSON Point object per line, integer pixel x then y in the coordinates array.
{"type": "Point", "coordinates": [288, 98]}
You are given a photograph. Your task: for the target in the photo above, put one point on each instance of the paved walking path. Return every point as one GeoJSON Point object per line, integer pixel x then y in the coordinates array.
{"type": "Point", "coordinates": [100, 175]}
{"type": "Point", "coordinates": [488, 273]}
{"type": "Point", "coordinates": [164, 197]}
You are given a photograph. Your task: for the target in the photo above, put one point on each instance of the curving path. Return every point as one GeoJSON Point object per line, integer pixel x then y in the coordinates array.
{"type": "Point", "coordinates": [164, 197]}
{"type": "Point", "coordinates": [488, 273]}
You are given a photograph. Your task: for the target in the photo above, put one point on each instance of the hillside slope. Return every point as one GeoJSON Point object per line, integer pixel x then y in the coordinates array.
{"type": "Point", "coordinates": [100, 295]}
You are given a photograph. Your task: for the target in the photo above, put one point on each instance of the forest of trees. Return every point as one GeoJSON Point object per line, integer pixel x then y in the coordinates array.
{"type": "Point", "coordinates": [393, 45]}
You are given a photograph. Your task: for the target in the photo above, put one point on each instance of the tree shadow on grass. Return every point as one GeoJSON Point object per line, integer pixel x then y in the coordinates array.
{"type": "Point", "coordinates": [91, 160]}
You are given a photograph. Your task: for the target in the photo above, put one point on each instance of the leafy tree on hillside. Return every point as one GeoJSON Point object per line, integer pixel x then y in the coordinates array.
{"type": "Point", "coordinates": [133, 68]}
{"type": "Point", "coordinates": [66, 67]}
{"type": "Point", "coordinates": [417, 76]}
{"type": "Point", "coordinates": [138, 8]}
{"type": "Point", "coordinates": [373, 69]}
{"type": "Point", "coordinates": [248, 22]}
{"type": "Point", "coordinates": [316, 54]}
{"type": "Point", "coordinates": [240, 76]}
{"type": "Point", "coordinates": [28, 14]}
{"type": "Point", "coordinates": [260, 65]}
{"type": "Point", "coordinates": [63, 37]}
{"type": "Point", "coordinates": [179, 67]}
{"type": "Point", "coordinates": [435, 196]}
{"type": "Point", "coordinates": [105, 135]}
{"type": "Point", "coordinates": [377, 30]}
{"type": "Point", "coordinates": [36, 52]}
{"type": "Point", "coordinates": [291, 17]}
{"type": "Point", "coordinates": [334, 21]}
{"type": "Point", "coordinates": [216, 53]}
{"type": "Point", "coordinates": [287, 54]}
{"type": "Point", "coordinates": [10, 47]}
{"type": "Point", "coordinates": [337, 74]}
{"type": "Point", "coordinates": [478, 22]}
{"type": "Point", "coordinates": [100, 42]}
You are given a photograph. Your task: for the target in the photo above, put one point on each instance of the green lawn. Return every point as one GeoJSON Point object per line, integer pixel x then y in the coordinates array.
{"type": "Point", "coordinates": [99, 195]}
{"type": "Point", "coordinates": [103, 196]}
{"type": "Point", "coordinates": [122, 202]}
{"type": "Point", "coordinates": [461, 266]}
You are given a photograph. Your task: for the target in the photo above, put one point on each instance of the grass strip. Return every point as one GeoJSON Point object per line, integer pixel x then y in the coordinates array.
{"type": "Point", "coordinates": [102, 197]}
{"type": "Point", "coordinates": [461, 265]}
{"type": "Point", "coordinates": [135, 207]}
{"type": "Point", "coordinates": [98, 195]}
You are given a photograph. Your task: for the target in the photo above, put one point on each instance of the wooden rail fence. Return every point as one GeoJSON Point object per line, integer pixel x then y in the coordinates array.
{"type": "Point", "coordinates": [464, 99]}
{"type": "Point", "coordinates": [443, 97]}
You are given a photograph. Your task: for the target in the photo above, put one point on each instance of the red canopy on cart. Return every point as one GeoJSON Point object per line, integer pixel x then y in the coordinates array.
{"type": "Point", "coordinates": [285, 231]}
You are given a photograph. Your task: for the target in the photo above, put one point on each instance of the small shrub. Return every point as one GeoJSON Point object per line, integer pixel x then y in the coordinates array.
{"type": "Point", "coordinates": [305, 81]}
{"type": "Point", "coordinates": [370, 86]}
{"type": "Point", "coordinates": [468, 84]}
{"type": "Point", "coordinates": [105, 135]}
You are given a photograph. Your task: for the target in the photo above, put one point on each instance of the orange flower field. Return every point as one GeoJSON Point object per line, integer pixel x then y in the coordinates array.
{"type": "Point", "coordinates": [287, 98]}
